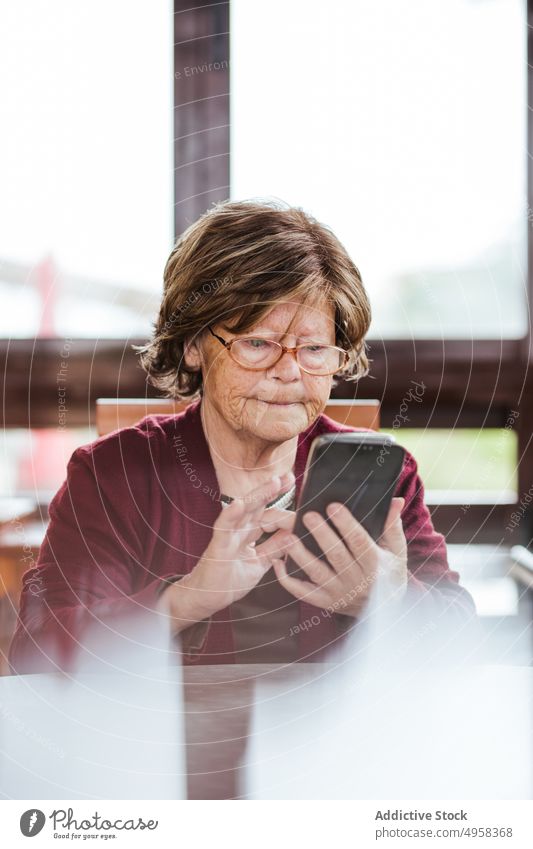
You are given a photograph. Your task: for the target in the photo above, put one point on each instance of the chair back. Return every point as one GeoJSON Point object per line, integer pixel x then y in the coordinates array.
{"type": "Point", "coordinates": [115, 413]}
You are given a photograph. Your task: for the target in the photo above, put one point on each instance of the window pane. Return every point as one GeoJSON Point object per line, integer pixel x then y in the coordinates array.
{"type": "Point", "coordinates": [85, 165]}
{"type": "Point", "coordinates": [401, 124]}
{"type": "Point", "coordinates": [484, 461]}
{"type": "Point", "coordinates": [483, 467]}
{"type": "Point", "coordinates": [34, 462]}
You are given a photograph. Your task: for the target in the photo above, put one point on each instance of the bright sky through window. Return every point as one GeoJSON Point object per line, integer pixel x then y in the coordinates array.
{"type": "Point", "coordinates": [85, 163]}
{"type": "Point", "coordinates": [401, 124]}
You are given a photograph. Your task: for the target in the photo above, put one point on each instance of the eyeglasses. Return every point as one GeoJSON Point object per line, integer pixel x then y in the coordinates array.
{"type": "Point", "coordinates": [256, 353]}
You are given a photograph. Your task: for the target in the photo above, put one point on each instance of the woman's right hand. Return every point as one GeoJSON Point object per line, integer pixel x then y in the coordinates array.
{"type": "Point", "coordinates": [231, 566]}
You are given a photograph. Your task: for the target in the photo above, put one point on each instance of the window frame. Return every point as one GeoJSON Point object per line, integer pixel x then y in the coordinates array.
{"type": "Point", "coordinates": [469, 383]}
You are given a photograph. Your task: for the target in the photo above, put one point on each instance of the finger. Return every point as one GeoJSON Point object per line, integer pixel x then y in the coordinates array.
{"type": "Point", "coordinates": [256, 499]}
{"type": "Point", "coordinates": [274, 546]}
{"type": "Point", "coordinates": [242, 510]}
{"type": "Point", "coordinates": [316, 570]}
{"type": "Point", "coordinates": [338, 555]}
{"type": "Point", "coordinates": [394, 514]}
{"type": "Point", "coordinates": [357, 540]}
{"type": "Point", "coordinates": [393, 537]}
{"type": "Point", "coordinates": [230, 516]}
{"type": "Point", "coordinates": [277, 484]}
{"type": "Point", "coordinates": [274, 518]}
{"type": "Point", "coordinates": [301, 589]}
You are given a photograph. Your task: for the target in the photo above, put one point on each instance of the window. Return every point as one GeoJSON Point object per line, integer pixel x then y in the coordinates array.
{"type": "Point", "coordinates": [86, 163]}
{"type": "Point", "coordinates": [402, 125]}
{"type": "Point", "coordinates": [415, 153]}
{"type": "Point", "coordinates": [483, 467]}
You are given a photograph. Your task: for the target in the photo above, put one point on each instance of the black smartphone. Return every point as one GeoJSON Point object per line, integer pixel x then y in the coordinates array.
{"type": "Point", "coordinates": [360, 470]}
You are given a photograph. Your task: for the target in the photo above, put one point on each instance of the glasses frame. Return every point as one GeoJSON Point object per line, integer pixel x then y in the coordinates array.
{"type": "Point", "coordinates": [283, 349]}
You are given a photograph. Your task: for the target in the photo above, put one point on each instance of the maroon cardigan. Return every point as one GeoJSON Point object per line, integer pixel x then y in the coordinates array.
{"type": "Point", "coordinates": [137, 506]}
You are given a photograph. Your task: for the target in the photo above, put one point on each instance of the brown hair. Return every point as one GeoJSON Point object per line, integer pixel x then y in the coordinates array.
{"type": "Point", "coordinates": [234, 264]}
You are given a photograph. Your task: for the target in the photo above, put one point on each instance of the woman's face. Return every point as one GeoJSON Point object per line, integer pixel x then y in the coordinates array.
{"type": "Point", "coordinates": [279, 402]}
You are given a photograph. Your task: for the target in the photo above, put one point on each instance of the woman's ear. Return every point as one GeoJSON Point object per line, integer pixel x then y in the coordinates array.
{"type": "Point", "coordinates": [191, 354]}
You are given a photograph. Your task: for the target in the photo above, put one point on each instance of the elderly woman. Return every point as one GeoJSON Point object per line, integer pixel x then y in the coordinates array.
{"type": "Point", "coordinates": [190, 515]}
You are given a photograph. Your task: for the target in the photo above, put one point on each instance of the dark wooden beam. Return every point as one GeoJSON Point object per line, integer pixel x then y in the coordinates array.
{"type": "Point", "coordinates": [40, 376]}
{"type": "Point", "coordinates": [201, 108]}
{"type": "Point", "coordinates": [474, 523]}
{"type": "Point", "coordinates": [477, 392]}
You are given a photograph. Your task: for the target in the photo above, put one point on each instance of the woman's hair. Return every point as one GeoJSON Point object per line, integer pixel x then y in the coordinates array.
{"type": "Point", "coordinates": [236, 263]}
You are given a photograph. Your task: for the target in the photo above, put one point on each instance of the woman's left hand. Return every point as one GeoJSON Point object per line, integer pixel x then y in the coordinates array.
{"type": "Point", "coordinates": [355, 561]}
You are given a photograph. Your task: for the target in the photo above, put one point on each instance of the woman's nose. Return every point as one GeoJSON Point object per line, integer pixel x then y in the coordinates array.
{"type": "Point", "coordinates": [286, 368]}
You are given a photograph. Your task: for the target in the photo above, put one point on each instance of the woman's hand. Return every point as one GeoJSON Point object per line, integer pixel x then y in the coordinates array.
{"type": "Point", "coordinates": [231, 565]}
{"type": "Point", "coordinates": [355, 561]}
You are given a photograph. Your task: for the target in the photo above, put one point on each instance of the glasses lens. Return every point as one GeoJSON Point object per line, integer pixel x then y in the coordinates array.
{"type": "Point", "coordinates": [255, 352]}
{"type": "Point", "coordinates": [320, 359]}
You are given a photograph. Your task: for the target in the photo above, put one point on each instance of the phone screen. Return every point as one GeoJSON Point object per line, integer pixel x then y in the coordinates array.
{"type": "Point", "coordinates": [360, 470]}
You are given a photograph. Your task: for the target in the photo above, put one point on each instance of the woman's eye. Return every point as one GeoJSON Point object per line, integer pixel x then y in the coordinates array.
{"type": "Point", "coordinates": [255, 343]}
{"type": "Point", "coordinates": [314, 349]}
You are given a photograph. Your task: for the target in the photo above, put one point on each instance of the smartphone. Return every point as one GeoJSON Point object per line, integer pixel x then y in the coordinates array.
{"type": "Point", "coordinates": [360, 470]}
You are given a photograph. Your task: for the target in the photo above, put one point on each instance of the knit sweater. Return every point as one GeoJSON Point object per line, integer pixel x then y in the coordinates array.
{"type": "Point", "coordinates": [138, 506]}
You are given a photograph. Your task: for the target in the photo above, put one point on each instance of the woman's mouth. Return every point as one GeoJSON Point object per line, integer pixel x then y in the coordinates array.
{"type": "Point", "coordinates": [279, 403]}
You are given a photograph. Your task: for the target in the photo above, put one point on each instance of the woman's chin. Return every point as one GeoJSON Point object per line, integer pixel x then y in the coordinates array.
{"type": "Point", "coordinates": [277, 421]}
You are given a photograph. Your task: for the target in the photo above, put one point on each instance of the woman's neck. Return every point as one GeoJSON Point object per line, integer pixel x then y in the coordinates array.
{"type": "Point", "coordinates": [243, 462]}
